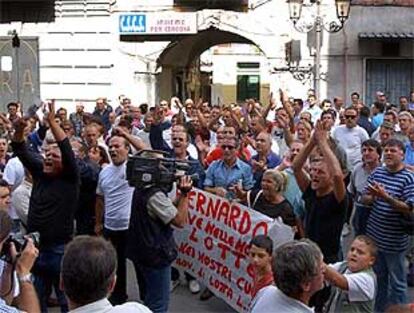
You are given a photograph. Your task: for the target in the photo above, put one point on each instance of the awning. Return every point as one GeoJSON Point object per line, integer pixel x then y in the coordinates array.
{"type": "Point", "coordinates": [387, 36]}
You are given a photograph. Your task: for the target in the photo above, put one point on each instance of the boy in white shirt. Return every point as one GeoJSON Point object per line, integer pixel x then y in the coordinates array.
{"type": "Point", "coordinates": [354, 280]}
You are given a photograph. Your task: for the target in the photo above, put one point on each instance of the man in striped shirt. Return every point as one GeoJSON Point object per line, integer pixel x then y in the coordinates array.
{"type": "Point", "coordinates": [390, 189]}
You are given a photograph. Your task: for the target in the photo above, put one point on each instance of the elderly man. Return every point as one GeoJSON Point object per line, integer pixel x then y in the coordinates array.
{"type": "Point", "coordinates": [298, 271]}
{"type": "Point", "coordinates": [264, 159]}
{"type": "Point", "coordinates": [390, 190]}
{"type": "Point", "coordinates": [53, 202]}
{"type": "Point", "coordinates": [88, 277]}
{"type": "Point", "coordinates": [226, 173]}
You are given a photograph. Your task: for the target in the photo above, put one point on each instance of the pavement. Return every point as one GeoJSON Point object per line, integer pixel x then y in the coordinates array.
{"type": "Point", "coordinates": [182, 300]}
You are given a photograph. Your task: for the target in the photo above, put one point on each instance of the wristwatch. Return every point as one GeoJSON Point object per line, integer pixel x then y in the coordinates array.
{"type": "Point", "coordinates": [25, 278]}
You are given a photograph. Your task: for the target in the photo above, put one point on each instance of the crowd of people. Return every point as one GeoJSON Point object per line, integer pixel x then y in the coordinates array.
{"type": "Point", "coordinates": [328, 169]}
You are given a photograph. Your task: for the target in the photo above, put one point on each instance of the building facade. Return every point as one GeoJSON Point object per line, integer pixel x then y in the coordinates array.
{"type": "Point", "coordinates": [78, 50]}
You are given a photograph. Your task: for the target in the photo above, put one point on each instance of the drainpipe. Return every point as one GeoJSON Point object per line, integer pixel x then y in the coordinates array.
{"type": "Point", "coordinates": [345, 66]}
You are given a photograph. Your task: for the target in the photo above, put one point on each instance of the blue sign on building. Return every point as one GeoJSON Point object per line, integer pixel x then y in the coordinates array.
{"type": "Point", "coordinates": [133, 23]}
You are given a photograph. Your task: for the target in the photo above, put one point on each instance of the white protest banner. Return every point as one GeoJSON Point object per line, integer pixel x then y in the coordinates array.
{"type": "Point", "coordinates": [213, 246]}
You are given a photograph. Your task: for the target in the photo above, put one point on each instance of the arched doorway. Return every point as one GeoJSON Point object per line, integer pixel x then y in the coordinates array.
{"type": "Point", "coordinates": [180, 64]}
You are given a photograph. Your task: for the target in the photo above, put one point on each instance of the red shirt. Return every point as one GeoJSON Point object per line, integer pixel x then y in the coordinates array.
{"type": "Point", "coordinates": [261, 283]}
{"type": "Point", "coordinates": [217, 154]}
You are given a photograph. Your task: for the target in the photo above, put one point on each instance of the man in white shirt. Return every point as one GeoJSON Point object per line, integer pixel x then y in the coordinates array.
{"type": "Point", "coordinates": [88, 277]}
{"type": "Point", "coordinates": [298, 270]}
{"type": "Point", "coordinates": [350, 137]}
{"type": "Point", "coordinates": [113, 206]}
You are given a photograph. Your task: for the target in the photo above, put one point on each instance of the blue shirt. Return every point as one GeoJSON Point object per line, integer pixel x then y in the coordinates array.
{"type": "Point", "coordinates": [377, 120]}
{"type": "Point", "coordinates": [220, 175]}
{"type": "Point", "coordinates": [272, 160]}
{"type": "Point", "coordinates": [384, 222]}
{"type": "Point", "coordinates": [409, 154]}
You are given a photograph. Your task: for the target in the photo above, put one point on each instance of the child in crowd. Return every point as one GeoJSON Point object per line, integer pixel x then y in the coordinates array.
{"type": "Point", "coordinates": [353, 280]}
{"type": "Point", "coordinates": [260, 254]}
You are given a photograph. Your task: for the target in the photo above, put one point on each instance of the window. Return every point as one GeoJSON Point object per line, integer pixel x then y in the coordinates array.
{"type": "Point", "coordinates": [248, 86]}
{"type": "Point", "coordinates": [27, 11]}
{"type": "Point", "coordinates": [193, 5]}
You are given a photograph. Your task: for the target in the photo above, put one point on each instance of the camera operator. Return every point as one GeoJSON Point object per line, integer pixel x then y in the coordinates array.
{"type": "Point", "coordinates": [21, 265]}
{"type": "Point", "coordinates": [151, 244]}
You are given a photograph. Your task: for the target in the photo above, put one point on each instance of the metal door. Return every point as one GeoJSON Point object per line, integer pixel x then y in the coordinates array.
{"type": "Point", "coordinates": [393, 77]}
{"type": "Point", "coordinates": [19, 71]}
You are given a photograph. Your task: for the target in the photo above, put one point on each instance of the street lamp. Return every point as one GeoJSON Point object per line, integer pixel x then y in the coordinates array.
{"type": "Point", "coordinates": [319, 24]}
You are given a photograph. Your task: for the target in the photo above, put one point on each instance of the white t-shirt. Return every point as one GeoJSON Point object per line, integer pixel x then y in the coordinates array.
{"type": "Point", "coordinates": [351, 139]}
{"type": "Point", "coordinates": [144, 136]}
{"type": "Point", "coordinates": [21, 200]}
{"type": "Point", "coordinates": [14, 176]}
{"type": "Point", "coordinates": [113, 186]}
{"type": "Point", "coordinates": [271, 300]}
{"type": "Point", "coordinates": [362, 285]}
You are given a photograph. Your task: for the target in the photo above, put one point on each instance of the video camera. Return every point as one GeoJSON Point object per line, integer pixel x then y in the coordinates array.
{"type": "Point", "coordinates": [152, 167]}
{"type": "Point", "coordinates": [20, 242]}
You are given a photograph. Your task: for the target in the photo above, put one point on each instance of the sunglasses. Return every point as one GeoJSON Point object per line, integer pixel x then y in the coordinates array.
{"type": "Point", "coordinates": [350, 116]}
{"type": "Point", "coordinates": [227, 147]}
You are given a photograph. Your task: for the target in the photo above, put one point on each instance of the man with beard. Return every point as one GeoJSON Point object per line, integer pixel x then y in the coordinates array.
{"type": "Point", "coordinates": [52, 204]}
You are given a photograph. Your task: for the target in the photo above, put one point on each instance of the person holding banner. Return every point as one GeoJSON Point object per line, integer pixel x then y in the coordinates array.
{"type": "Point", "coordinates": [228, 172]}
{"type": "Point", "coordinates": [269, 200]}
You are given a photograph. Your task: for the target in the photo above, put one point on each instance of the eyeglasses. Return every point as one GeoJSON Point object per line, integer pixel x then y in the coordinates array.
{"type": "Point", "coordinates": [350, 116]}
{"type": "Point", "coordinates": [227, 147]}
{"type": "Point", "coordinates": [177, 139]}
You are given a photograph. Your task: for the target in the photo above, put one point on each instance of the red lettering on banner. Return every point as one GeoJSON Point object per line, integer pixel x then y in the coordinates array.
{"type": "Point", "coordinates": [199, 223]}
{"type": "Point", "coordinates": [213, 207]}
{"type": "Point", "coordinates": [246, 222]}
{"type": "Point", "coordinates": [208, 243]}
{"type": "Point", "coordinates": [239, 303]}
{"type": "Point", "coordinates": [250, 270]}
{"type": "Point", "coordinates": [193, 236]}
{"type": "Point", "coordinates": [186, 249]}
{"type": "Point", "coordinates": [221, 287]}
{"type": "Point", "coordinates": [244, 285]}
{"type": "Point", "coordinates": [224, 249]}
{"type": "Point", "coordinates": [260, 225]}
{"type": "Point", "coordinates": [239, 257]}
{"type": "Point", "coordinates": [224, 212]}
{"type": "Point", "coordinates": [234, 214]}
{"type": "Point", "coordinates": [184, 263]}
{"type": "Point", "coordinates": [201, 199]}
{"type": "Point", "coordinates": [191, 218]}
{"type": "Point", "coordinates": [216, 266]}
{"type": "Point", "coordinates": [219, 233]}
{"type": "Point", "coordinates": [242, 247]}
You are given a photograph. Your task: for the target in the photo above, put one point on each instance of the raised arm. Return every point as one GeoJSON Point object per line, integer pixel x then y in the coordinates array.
{"type": "Point", "coordinates": [321, 137]}
{"type": "Point", "coordinates": [136, 142]}
{"type": "Point", "coordinates": [298, 163]}
{"type": "Point", "coordinates": [57, 131]}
